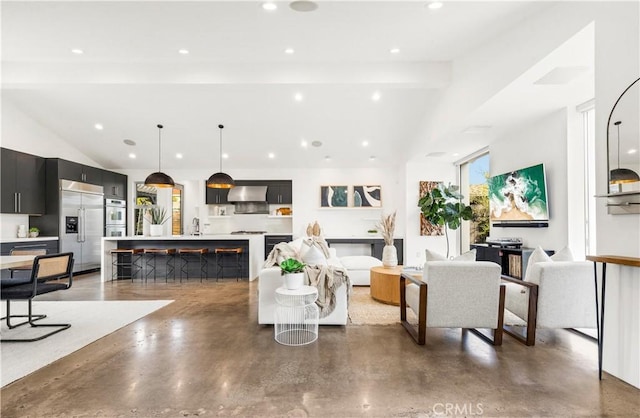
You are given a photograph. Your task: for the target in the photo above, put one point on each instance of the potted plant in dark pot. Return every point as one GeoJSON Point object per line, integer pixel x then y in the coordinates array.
{"type": "Point", "coordinates": [443, 206]}
{"type": "Point", "coordinates": [292, 271]}
{"type": "Point", "coordinates": [158, 216]}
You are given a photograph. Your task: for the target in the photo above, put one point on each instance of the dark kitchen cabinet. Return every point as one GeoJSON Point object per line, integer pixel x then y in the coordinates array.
{"type": "Point", "coordinates": [23, 183]}
{"type": "Point", "coordinates": [280, 192]}
{"type": "Point", "coordinates": [69, 170]}
{"type": "Point", "coordinates": [115, 185]}
{"type": "Point", "coordinates": [271, 241]}
{"type": "Point", "coordinates": [216, 196]}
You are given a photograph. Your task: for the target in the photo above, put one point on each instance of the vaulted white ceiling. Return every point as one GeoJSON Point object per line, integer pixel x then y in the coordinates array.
{"type": "Point", "coordinates": [131, 77]}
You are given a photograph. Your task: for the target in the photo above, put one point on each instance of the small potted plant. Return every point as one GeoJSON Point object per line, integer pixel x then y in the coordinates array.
{"type": "Point", "coordinates": [293, 272]}
{"type": "Point", "coordinates": [158, 218]}
{"type": "Point", "coordinates": [33, 232]}
{"type": "Point", "coordinates": [372, 231]}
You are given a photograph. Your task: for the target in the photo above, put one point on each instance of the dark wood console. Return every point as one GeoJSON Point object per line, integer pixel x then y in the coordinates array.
{"type": "Point", "coordinates": [512, 260]}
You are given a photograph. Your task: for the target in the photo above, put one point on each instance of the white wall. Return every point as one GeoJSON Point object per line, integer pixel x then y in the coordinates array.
{"type": "Point", "coordinates": [21, 132]}
{"type": "Point", "coordinates": [306, 199]}
{"type": "Point", "coordinates": [617, 65]}
{"type": "Point", "coordinates": [541, 141]}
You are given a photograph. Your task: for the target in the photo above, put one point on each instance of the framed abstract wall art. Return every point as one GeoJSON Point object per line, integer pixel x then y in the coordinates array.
{"type": "Point", "coordinates": [333, 196]}
{"type": "Point", "coordinates": [367, 196]}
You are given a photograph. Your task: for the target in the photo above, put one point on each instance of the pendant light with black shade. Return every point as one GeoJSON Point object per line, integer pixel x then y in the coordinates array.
{"type": "Point", "coordinates": [159, 179]}
{"type": "Point", "coordinates": [220, 180]}
{"type": "Point", "coordinates": [622, 175]}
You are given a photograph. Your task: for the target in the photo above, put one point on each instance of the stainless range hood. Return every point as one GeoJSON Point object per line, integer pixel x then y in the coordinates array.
{"type": "Point", "coordinates": [249, 199]}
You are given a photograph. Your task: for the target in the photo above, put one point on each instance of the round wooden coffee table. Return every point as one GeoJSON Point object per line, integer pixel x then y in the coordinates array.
{"type": "Point", "coordinates": [385, 284]}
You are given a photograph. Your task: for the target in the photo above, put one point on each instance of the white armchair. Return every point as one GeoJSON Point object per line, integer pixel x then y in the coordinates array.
{"type": "Point", "coordinates": [554, 294]}
{"type": "Point", "coordinates": [454, 294]}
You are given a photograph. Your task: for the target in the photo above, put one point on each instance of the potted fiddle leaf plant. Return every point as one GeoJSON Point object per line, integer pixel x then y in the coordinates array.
{"type": "Point", "coordinates": [292, 271]}
{"type": "Point", "coordinates": [443, 206]}
{"type": "Point", "coordinates": [158, 216]}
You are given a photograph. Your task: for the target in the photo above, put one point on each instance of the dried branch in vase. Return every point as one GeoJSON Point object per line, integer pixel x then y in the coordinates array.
{"type": "Point", "coordinates": [387, 226]}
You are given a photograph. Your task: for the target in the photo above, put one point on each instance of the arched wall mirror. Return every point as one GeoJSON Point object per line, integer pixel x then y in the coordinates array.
{"type": "Point", "coordinates": [623, 142]}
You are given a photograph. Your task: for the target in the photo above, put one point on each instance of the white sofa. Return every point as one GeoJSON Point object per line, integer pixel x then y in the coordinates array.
{"type": "Point", "coordinates": [359, 268]}
{"type": "Point", "coordinates": [270, 279]}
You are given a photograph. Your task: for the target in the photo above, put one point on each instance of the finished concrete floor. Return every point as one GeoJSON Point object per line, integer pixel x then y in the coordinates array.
{"type": "Point", "coordinates": [206, 355]}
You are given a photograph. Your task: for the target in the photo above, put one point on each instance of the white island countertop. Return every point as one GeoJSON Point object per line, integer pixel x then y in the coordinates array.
{"type": "Point", "coordinates": [211, 237]}
{"type": "Point", "coordinates": [38, 238]}
{"type": "Point", "coordinates": [255, 244]}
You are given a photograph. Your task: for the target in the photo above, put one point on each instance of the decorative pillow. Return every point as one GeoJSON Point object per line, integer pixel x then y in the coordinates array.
{"type": "Point", "coordinates": [468, 256]}
{"type": "Point", "coordinates": [564, 254]}
{"type": "Point", "coordinates": [359, 262]}
{"type": "Point", "coordinates": [537, 256]}
{"type": "Point", "coordinates": [314, 257]}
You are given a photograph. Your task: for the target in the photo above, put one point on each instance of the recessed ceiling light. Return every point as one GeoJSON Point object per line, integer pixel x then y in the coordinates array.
{"type": "Point", "coordinates": [316, 144]}
{"type": "Point", "coordinates": [375, 96]}
{"type": "Point", "coordinates": [365, 143]}
{"type": "Point", "coordinates": [394, 50]}
{"type": "Point", "coordinates": [225, 155]}
{"type": "Point", "coordinates": [434, 5]}
{"type": "Point", "coordinates": [179, 156]}
{"type": "Point", "coordinates": [372, 158]}
{"type": "Point", "coordinates": [272, 155]}
{"type": "Point", "coordinates": [129, 142]}
{"type": "Point", "coordinates": [455, 154]}
{"type": "Point", "coordinates": [98, 126]}
{"type": "Point", "coordinates": [632, 151]}
{"type": "Point", "coordinates": [289, 51]}
{"type": "Point", "coordinates": [132, 156]}
{"type": "Point", "coordinates": [304, 143]}
{"type": "Point", "coordinates": [183, 51]}
{"type": "Point", "coordinates": [435, 154]}
{"type": "Point", "coordinates": [269, 6]}
{"type": "Point", "coordinates": [327, 158]}
{"type": "Point", "coordinates": [298, 97]}
{"type": "Point", "coordinates": [77, 51]}
{"type": "Point", "coordinates": [303, 6]}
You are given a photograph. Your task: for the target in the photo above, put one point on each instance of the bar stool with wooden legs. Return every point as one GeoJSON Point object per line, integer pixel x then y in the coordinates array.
{"type": "Point", "coordinates": [192, 253]}
{"type": "Point", "coordinates": [221, 253]}
{"type": "Point", "coordinates": [151, 255]}
{"type": "Point", "coordinates": [125, 263]}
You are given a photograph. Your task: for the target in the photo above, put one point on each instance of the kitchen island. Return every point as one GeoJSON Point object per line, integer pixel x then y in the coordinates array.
{"type": "Point", "coordinates": [251, 259]}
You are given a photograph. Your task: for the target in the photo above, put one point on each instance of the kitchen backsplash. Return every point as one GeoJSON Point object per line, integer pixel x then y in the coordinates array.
{"type": "Point", "coordinates": [10, 224]}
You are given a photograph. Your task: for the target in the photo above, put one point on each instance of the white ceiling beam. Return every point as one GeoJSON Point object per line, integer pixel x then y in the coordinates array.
{"type": "Point", "coordinates": [411, 75]}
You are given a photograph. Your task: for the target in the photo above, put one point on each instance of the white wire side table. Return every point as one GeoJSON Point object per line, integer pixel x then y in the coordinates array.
{"type": "Point", "coordinates": [297, 316]}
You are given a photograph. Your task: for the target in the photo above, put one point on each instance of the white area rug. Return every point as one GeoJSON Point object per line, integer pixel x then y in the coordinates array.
{"type": "Point", "coordinates": [363, 310]}
{"type": "Point", "coordinates": [89, 321]}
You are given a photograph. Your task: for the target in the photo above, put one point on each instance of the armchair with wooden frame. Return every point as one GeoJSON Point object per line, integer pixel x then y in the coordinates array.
{"type": "Point", "coordinates": [454, 294]}
{"type": "Point", "coordinates": [49, 273]}
{"type": "Point", "coordinates": [553, 294]}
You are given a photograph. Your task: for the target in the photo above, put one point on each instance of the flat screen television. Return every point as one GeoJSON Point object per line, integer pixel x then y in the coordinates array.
{"type": "Point", "coordinates": [519, 198]}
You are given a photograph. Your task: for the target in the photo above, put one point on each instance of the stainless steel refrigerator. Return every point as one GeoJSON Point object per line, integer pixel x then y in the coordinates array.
{"type": "Point", "coordinates": [81, 223]}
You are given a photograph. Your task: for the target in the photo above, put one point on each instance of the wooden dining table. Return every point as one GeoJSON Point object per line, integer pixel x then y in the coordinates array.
{"type": "Point", "coordinates": [12, 261]}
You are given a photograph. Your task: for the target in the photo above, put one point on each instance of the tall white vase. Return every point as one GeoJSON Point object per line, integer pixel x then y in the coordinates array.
{"type": "Point", "coordinates": [389, 256]}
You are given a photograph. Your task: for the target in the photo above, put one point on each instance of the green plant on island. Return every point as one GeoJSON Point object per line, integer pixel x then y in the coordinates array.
{"type": "Point", "coordinates": [443, 206]}
{"type": "Point", "coordinates": [158, 215]}
{"type": "Point", "coordinates": [291, 265]}
{"type": "Point", "coordinates": [34, 229]}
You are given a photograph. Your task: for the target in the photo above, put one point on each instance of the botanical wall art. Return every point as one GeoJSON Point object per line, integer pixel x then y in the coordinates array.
{"type": "Point", "coordinates": [333, 196]}
{"type": "Point", "coordinates": [426, 227]}
{"type": "Point", "coordinates": [367, 196]}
